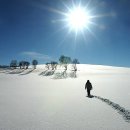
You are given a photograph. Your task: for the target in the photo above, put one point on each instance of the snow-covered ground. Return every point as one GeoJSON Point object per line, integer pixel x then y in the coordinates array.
{"type": "Point", "coordinates": [46, 100]}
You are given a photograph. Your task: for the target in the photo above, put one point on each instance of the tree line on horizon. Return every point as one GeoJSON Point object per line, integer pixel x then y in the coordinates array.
{"type": "Point", "coordinates": [63, 60]}
{"type": "Point", "coordinates": [22, 64]}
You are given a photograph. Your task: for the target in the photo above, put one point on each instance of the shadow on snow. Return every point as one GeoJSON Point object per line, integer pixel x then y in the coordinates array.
{"type": "Point", "coordinates": [16, 71]}
{"type": "Point", "coordinates": [56, 75]}
{"type": "Point", "coordinates": [47, 72]}
{"type": "Point", "coordinates": [59, 75]}
{"type": "Point", "coordinates": [28, 72]}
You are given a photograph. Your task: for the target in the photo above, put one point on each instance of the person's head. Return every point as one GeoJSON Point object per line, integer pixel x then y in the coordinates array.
{"type": "Point", "coordinates": [87, 81]}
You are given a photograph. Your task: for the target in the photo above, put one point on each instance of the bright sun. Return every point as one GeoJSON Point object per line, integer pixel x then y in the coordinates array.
{"type": "Point", "coordinates": [78, 18]}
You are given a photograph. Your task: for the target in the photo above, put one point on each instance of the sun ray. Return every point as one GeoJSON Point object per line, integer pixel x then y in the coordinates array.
{"type": "Point", "coordinates": [83, 34]}
{"type": "Point", "coordinates": [63, 40]}
{"type": "Point", "coordinates": [90, 31]}
{"type": "Point", "coordinates": [87, 5]}
{"type": "Point", "coordinates": [77, 18]}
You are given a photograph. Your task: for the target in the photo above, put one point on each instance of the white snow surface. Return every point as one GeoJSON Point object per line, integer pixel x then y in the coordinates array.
{"type": "Point", "coordinates": [42, 100]}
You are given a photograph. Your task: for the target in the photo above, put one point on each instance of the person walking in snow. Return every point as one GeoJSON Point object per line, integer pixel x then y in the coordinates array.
{"type": "Point", "coordinates": [88, 86]}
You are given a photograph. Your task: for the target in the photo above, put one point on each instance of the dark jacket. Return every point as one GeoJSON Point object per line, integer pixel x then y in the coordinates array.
{"type": "Point", "coordinates": [88, 86]}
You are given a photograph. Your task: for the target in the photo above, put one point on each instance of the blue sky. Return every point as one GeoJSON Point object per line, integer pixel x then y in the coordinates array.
{"type": "Point", "coordinates": [29, 29]}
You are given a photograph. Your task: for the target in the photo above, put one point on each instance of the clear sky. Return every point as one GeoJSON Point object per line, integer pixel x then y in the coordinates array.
{"type": "Point", "coordinates": [34, 29]}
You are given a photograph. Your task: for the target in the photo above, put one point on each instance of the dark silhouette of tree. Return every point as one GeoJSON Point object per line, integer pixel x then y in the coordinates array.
{"type": "Point", "coordinates": [27, 64]}
{"type": "Point", "coordinates": [74, 68]}
{"type": "Point", "coordinates": [34, 63]}
{"type": "Point", "coordinates": [54, 65]}
{"type": "Point", "coordinates": [47, 65]}
{"type": "Point", "coordinates": [20, 64]}
{"type": "Point", "coordinates": [64, 60]}
{"type": "Point", "coordinates": [61, 59]}
{"type": "Point", "coordinates": [13, 64]}
{"type": "Point", "coordinates": [24, 64]}
{"type": "Point", "coordinates": [74, 63]}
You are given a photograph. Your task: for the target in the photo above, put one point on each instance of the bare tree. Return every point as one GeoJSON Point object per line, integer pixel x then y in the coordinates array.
{"type": "Point", "coordinates": [27, 64]}
{"type": "Point", "coordinates": [54, 65]}
{"type": "Point", "coordinates": [34, 63]}
{"type": "Point", "coordinates": [24, 64]}
{"type": "Point", "coordinates": [74, 64]}
{"type": "Point", "coordinates": [64, 60]}
{"type": "Point", "coordinates": [13, 64]}
{"type": "Point", "coordinates": [47, 65]}
{"type": "Point", "coordinates": [20, 65]}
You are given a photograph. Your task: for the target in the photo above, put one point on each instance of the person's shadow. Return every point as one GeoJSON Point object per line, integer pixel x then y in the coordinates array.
{"type": "Point", "coordinates": [91, 96]}
{"type": "Point", "coordinates": [121, 110]}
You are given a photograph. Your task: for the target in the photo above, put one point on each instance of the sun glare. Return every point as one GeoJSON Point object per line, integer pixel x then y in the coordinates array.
{"type": "Point", "coordinates": [78, 18]}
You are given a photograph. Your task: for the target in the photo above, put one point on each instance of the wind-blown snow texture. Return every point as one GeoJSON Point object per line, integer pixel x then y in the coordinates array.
{"type": "Point", "coordinates": [56, 100]}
